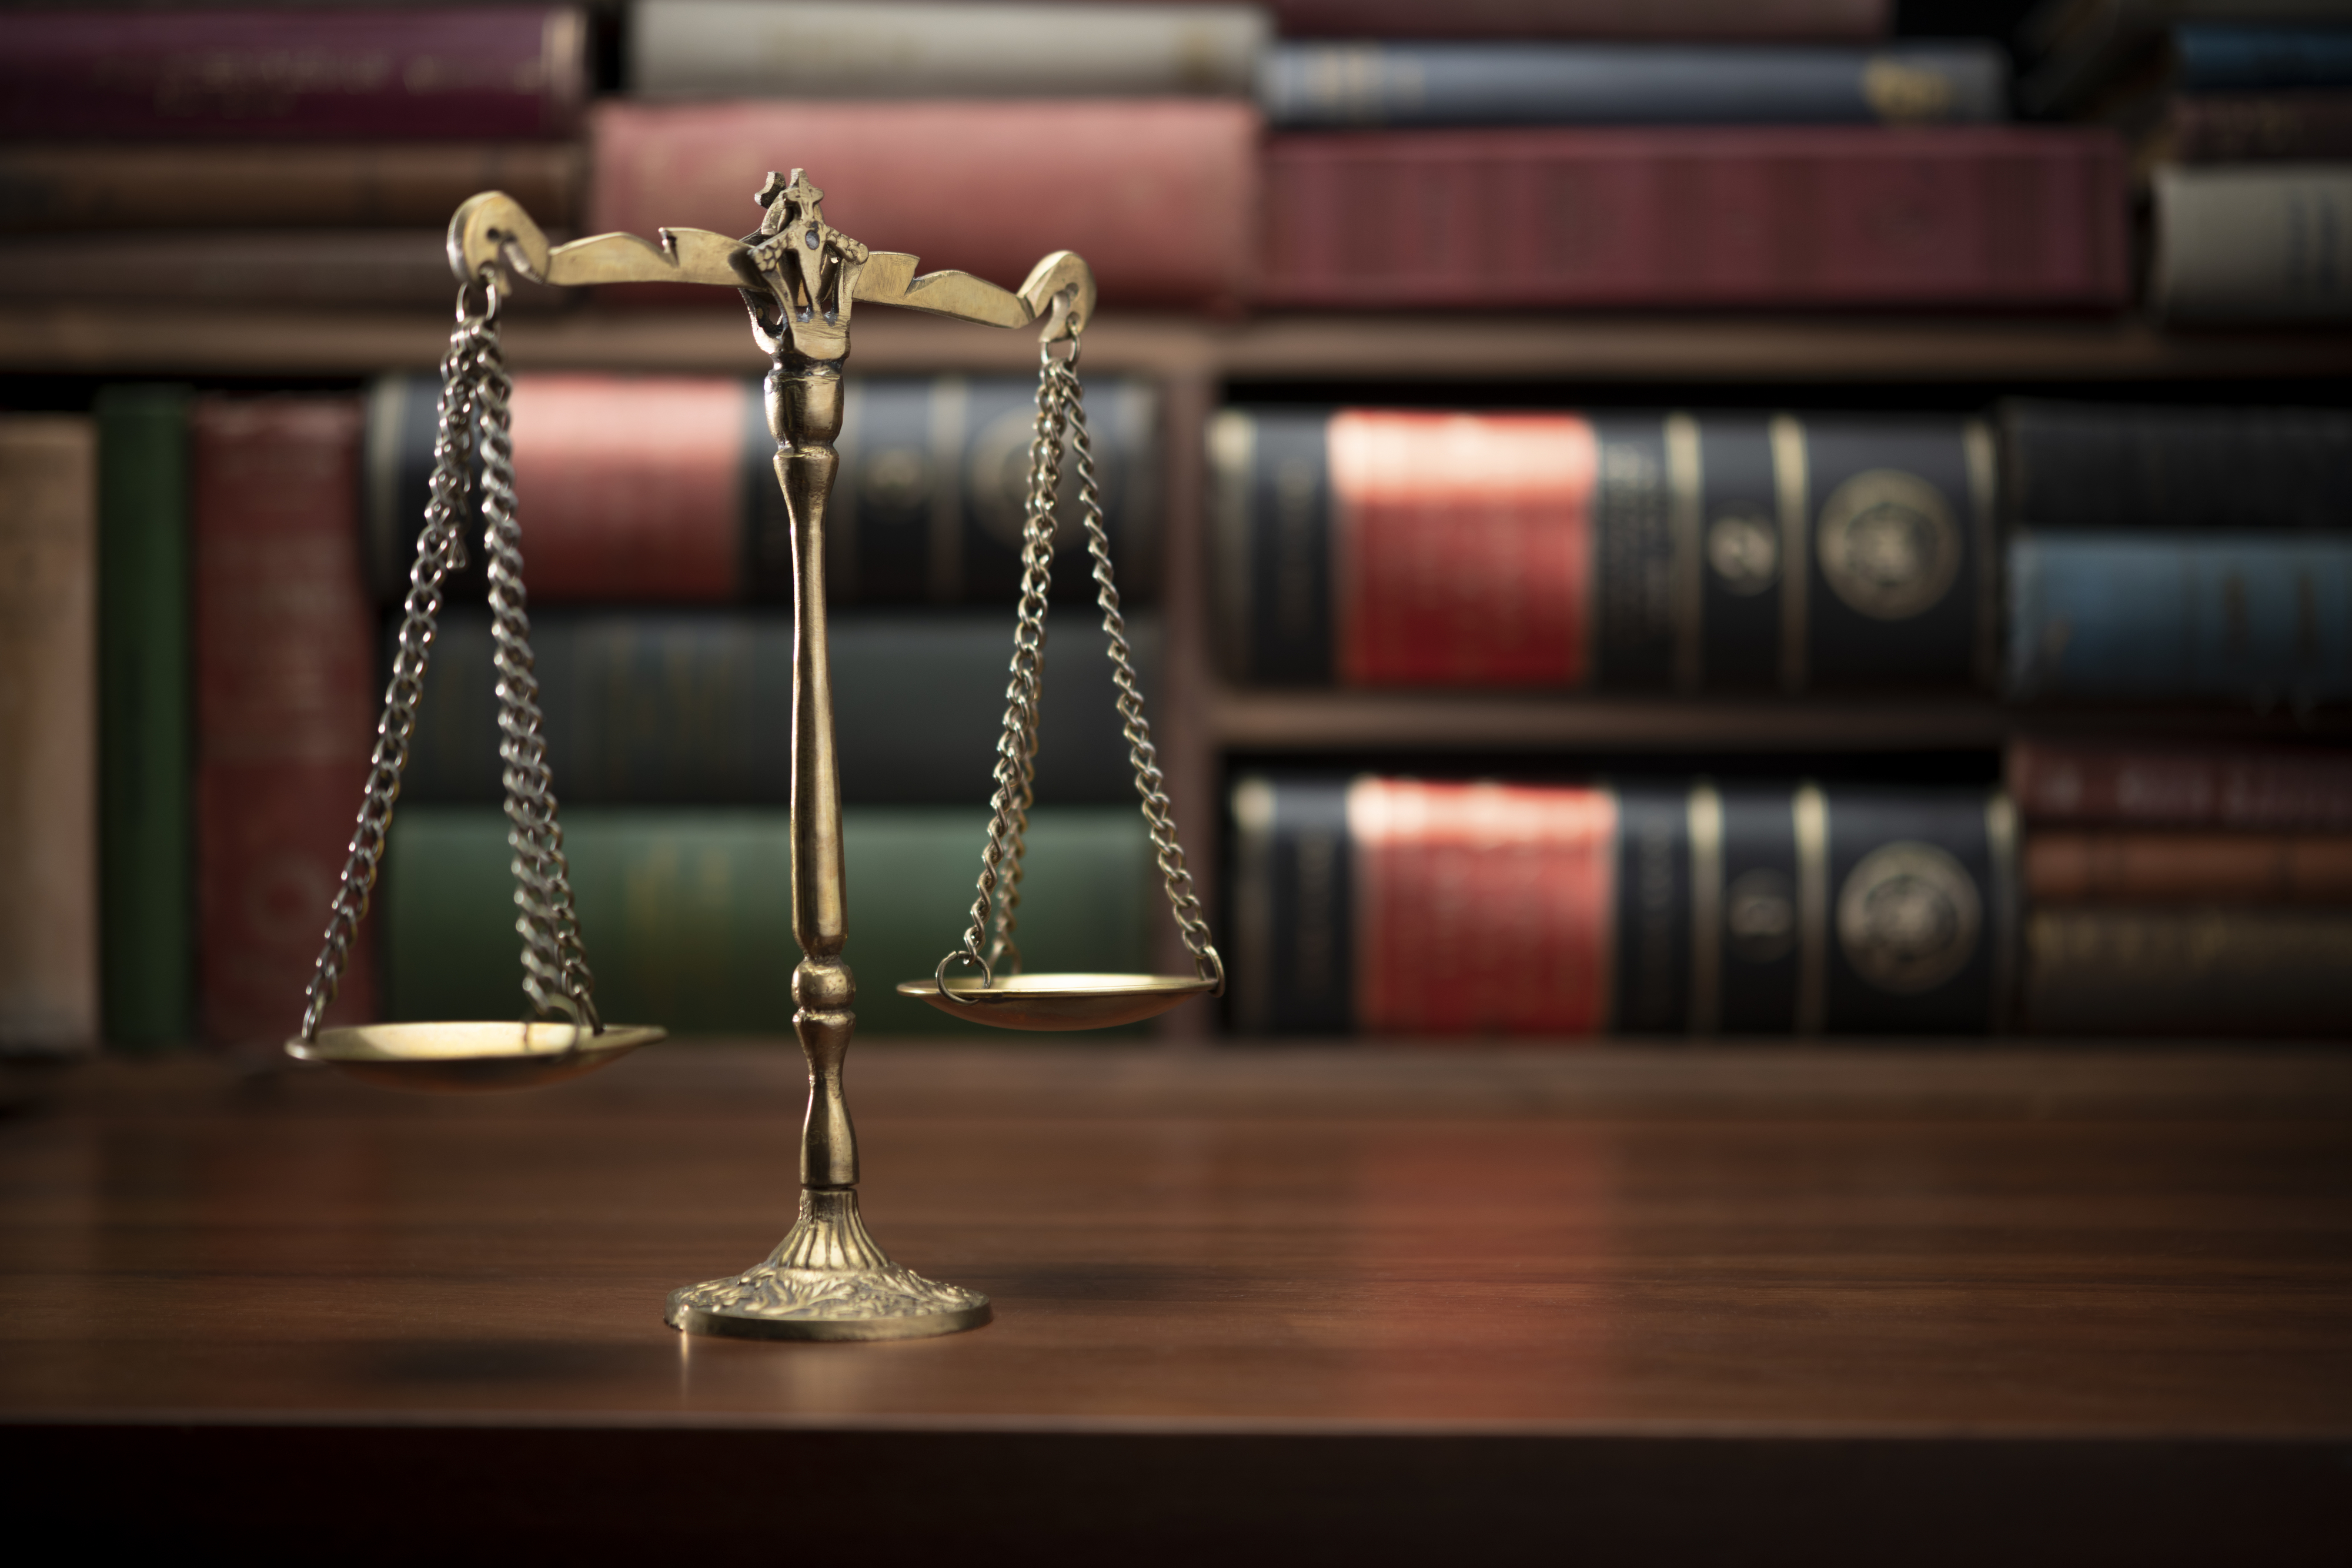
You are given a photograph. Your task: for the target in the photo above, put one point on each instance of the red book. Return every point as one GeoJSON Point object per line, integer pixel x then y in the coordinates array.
{"type": "Point", "coordinates": [2062, 781]}
{"type": "Point", "coordinates": [1975, 215]}
{"type": "Point", "coordinates": [429, 74]}
{"type": "Point", "coordinates": [284, 703]}
{"type": "Point", "coordinates": [1158, 194]}
{"type": "Point", "coordinates": [1482, 908]}
{"type": "Point", "coordinates": [1782, 21]}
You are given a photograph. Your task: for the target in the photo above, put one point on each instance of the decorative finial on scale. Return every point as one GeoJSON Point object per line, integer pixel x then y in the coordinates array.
{"type": "Point", "coordinates": [810, 266]}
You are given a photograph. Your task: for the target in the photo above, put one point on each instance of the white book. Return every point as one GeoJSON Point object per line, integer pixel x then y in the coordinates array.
{"type": "Point", "coordinates": [2253, 242]}
{"type": "Point", "coordinates": [784, 48]}
{"type": "Point", "coordinates": [48, 733]}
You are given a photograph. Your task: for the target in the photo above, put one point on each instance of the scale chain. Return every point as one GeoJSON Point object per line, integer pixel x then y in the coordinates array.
{"type": "Point", "coordinates": [1061, 413]}
{"type": "Point", "coordinates": [473, 416]}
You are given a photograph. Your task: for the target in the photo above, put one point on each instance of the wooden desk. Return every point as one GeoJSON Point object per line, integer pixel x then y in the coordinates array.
{"type": "Point", "coordinates": [1657, 1305]}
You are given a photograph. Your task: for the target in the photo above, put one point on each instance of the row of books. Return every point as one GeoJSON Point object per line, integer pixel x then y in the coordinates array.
{"type": "Point", "coordinates": [2056, 552]}
{"type": "Point", "coordinates": [2107, 890]}
{"type": "Point", "coordinates": [194, 658]}
{"type": "Point", "coordinates": [1603, 174]}
{"type": "Point", "coordinates": [2051, 549]}
{"type": "Point", "coordinates": [191, 629]}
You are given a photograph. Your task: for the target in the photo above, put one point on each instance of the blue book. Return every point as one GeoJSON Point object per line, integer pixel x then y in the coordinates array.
{"type": "Point", "coordinates": [2264, 617]}
{"type": "Point", "coordinates": [1307, 85]}
{"type": "Point", "coordinates": [2221, 58]}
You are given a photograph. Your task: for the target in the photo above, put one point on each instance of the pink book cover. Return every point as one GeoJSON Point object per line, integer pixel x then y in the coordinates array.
{"type": "Point", "coordinates": [1866, 215]}
{"type": "Point", "coordinates": [1158, 194]}
{"type": "Point", "coordinates": [282, 75]}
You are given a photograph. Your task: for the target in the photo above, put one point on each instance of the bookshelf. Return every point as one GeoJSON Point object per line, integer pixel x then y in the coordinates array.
{"type": "Point", "coordinates": [1201, 720]}
{"type": "Point", "coordinates": [98, 340]}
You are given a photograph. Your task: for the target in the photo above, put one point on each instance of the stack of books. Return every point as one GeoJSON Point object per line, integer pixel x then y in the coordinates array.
{"type": "Point", "coordinates": [1711, 170]}
{"type": "Point", "coordinates": [294, 157]}
{"type": "Point", "coordinates": [2241, 119]}
{"type": "Point", "coordinates": [2175, 890]}
{"type": "Point", "coordinates": [659, 560]}
{"type": "Point", "coordinates": [2117, 553]}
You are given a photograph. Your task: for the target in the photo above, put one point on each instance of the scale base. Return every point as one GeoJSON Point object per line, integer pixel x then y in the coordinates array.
{"type": "Point", "coordinates": [826, 1279]}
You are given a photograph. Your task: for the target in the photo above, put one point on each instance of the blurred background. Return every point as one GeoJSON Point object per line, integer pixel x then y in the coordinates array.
{"type": "Point", "coordinates": [1698, 517]}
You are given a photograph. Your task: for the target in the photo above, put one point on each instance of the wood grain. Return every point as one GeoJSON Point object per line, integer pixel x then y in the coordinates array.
{"type": "Point", "coordinates": [2104, 1260]}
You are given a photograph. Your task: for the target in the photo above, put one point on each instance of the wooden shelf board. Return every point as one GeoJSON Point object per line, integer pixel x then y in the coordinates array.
{"type": "Point", "coordinates": [98, 340]}
{"type": "Point", "coordinates": [1436, 720]}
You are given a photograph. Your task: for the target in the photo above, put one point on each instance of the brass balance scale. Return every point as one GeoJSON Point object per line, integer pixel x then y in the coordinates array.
{"type": "Point", "coordinates": [799, 278]}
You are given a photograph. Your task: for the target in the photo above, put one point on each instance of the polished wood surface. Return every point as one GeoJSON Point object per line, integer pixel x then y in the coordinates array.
{"type": "Point", "coordinates": [1480, 346]}
{"type": "Point", "coordinates": [2024, 1252]}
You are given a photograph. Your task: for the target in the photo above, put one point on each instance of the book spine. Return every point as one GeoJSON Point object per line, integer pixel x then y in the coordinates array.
{"type": "Point", "coordinates": [686, 916]}
{"type": "Point", "coordinates": [1757, 20]}
{"type": "Point", "coordinates": [2253, 242]}
{"type": "Point", "coordinates": [268, 186]}
{"type": "Point", "coordinates": [285, 704]}
{"type": "Point", "coordinates": [647, 707]}
{"type": "Point", "coordinates": [48, 742]}
{"type": "Point", "coordinates": [2276, 790]}
{"type": "Point", "coordinates": [2064, 867]}
{"type": "Point", "coordinates": [723, 48]}
{"type": "Point", "coordinates": [2259, 127]}
{"type": "Point", "coordinates": [662, 490]}
{"type": "Point", "coordinates": [146, 845]}
{"type": "Point", "coordinates": [2220, 57]}
{"type": "Point", "coordinates": [294, 267]}
{"type": "Point", "coordinates": [1771, 215]}
{"type": "Point", "coordinates": [1398, 907]}
{"type": "Point", "coordinates": [2231, 972]}
{"type": "Point", "coordinates": [1158, 194]}
{"type": "Point", "coordinates": [1621, 552]}
{"type": "Point", "coordinates": [2248, 617]}
{"type": "Point", "coordinates": [270, 74]}
{"type": "Point", "coordinates": [2101, 466]}
{"type": "Point", "coordinates": [1404, 84]}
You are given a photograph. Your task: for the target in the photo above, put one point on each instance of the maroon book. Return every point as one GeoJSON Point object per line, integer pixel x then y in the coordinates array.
{"type": "Point", "coordinates": [284, 703]}
{"type": "Point", "coordinates": [2276, 787]}
{"type": "Point", "coordinates": [271, 74]}
{"type": "Point", "coordinates": [1156, 194]}
{"type": "Point", "coordinates": [1780, 21]}
{"type": "Point", "coordinates": [1861, 215]}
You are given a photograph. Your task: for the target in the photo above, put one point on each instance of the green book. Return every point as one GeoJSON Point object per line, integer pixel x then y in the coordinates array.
{"type": "Point", "coordinates": [687, 914]}
{"type": "Point", "coordinates": [146, 854]}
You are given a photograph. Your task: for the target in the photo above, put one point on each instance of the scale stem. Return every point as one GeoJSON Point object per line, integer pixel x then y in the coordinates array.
{"type": "Point", "coordinates": [803, 408]}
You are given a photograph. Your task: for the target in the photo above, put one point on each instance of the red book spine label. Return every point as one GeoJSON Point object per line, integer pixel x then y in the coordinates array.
{"type": "Point", "coordinates": [430, 74]}
{"type": "Point", "coordinates": [1158, 194]}
{"type": "Point", "coordinates": [2059, 783]}
{"type": "Point", "coordinates": [1462, 548]}
{"type": "Point", "coordinates": [633, 486]}
{"type": "Point", "coordinates": [285, 704]}
{"type": "Point", "coordinates": [1482, 908]}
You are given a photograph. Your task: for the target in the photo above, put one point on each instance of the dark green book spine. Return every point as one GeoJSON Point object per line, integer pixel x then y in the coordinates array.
{"type": "Point", "coordinates": [146, 892]}
{"type": "Point", "coordinates": [687, 914]}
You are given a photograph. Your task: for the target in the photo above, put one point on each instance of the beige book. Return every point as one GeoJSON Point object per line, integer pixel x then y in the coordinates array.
{"type": "Point", "coordinates": [48, 733]}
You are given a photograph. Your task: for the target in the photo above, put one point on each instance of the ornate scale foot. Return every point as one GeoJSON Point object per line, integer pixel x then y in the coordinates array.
{"type": "Point", "coordinates": [826, 1279]}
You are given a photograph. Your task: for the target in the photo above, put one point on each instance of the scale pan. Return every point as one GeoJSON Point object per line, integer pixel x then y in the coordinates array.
{"type": "Point", "coordinates": [1059, 1001]}
{"type": "Point", "coordinates": [445, 1058]}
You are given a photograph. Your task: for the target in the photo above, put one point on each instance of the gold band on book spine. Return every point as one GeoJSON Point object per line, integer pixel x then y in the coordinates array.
{"type": "Point", "coordinates": [1811, 811]}
{"type": "Point", "coordinates": [1790, 485]}
{"type": "Point", "coordinates": [1706, 814]}
{"type": "Point", "coordinates": [1684, 481]}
